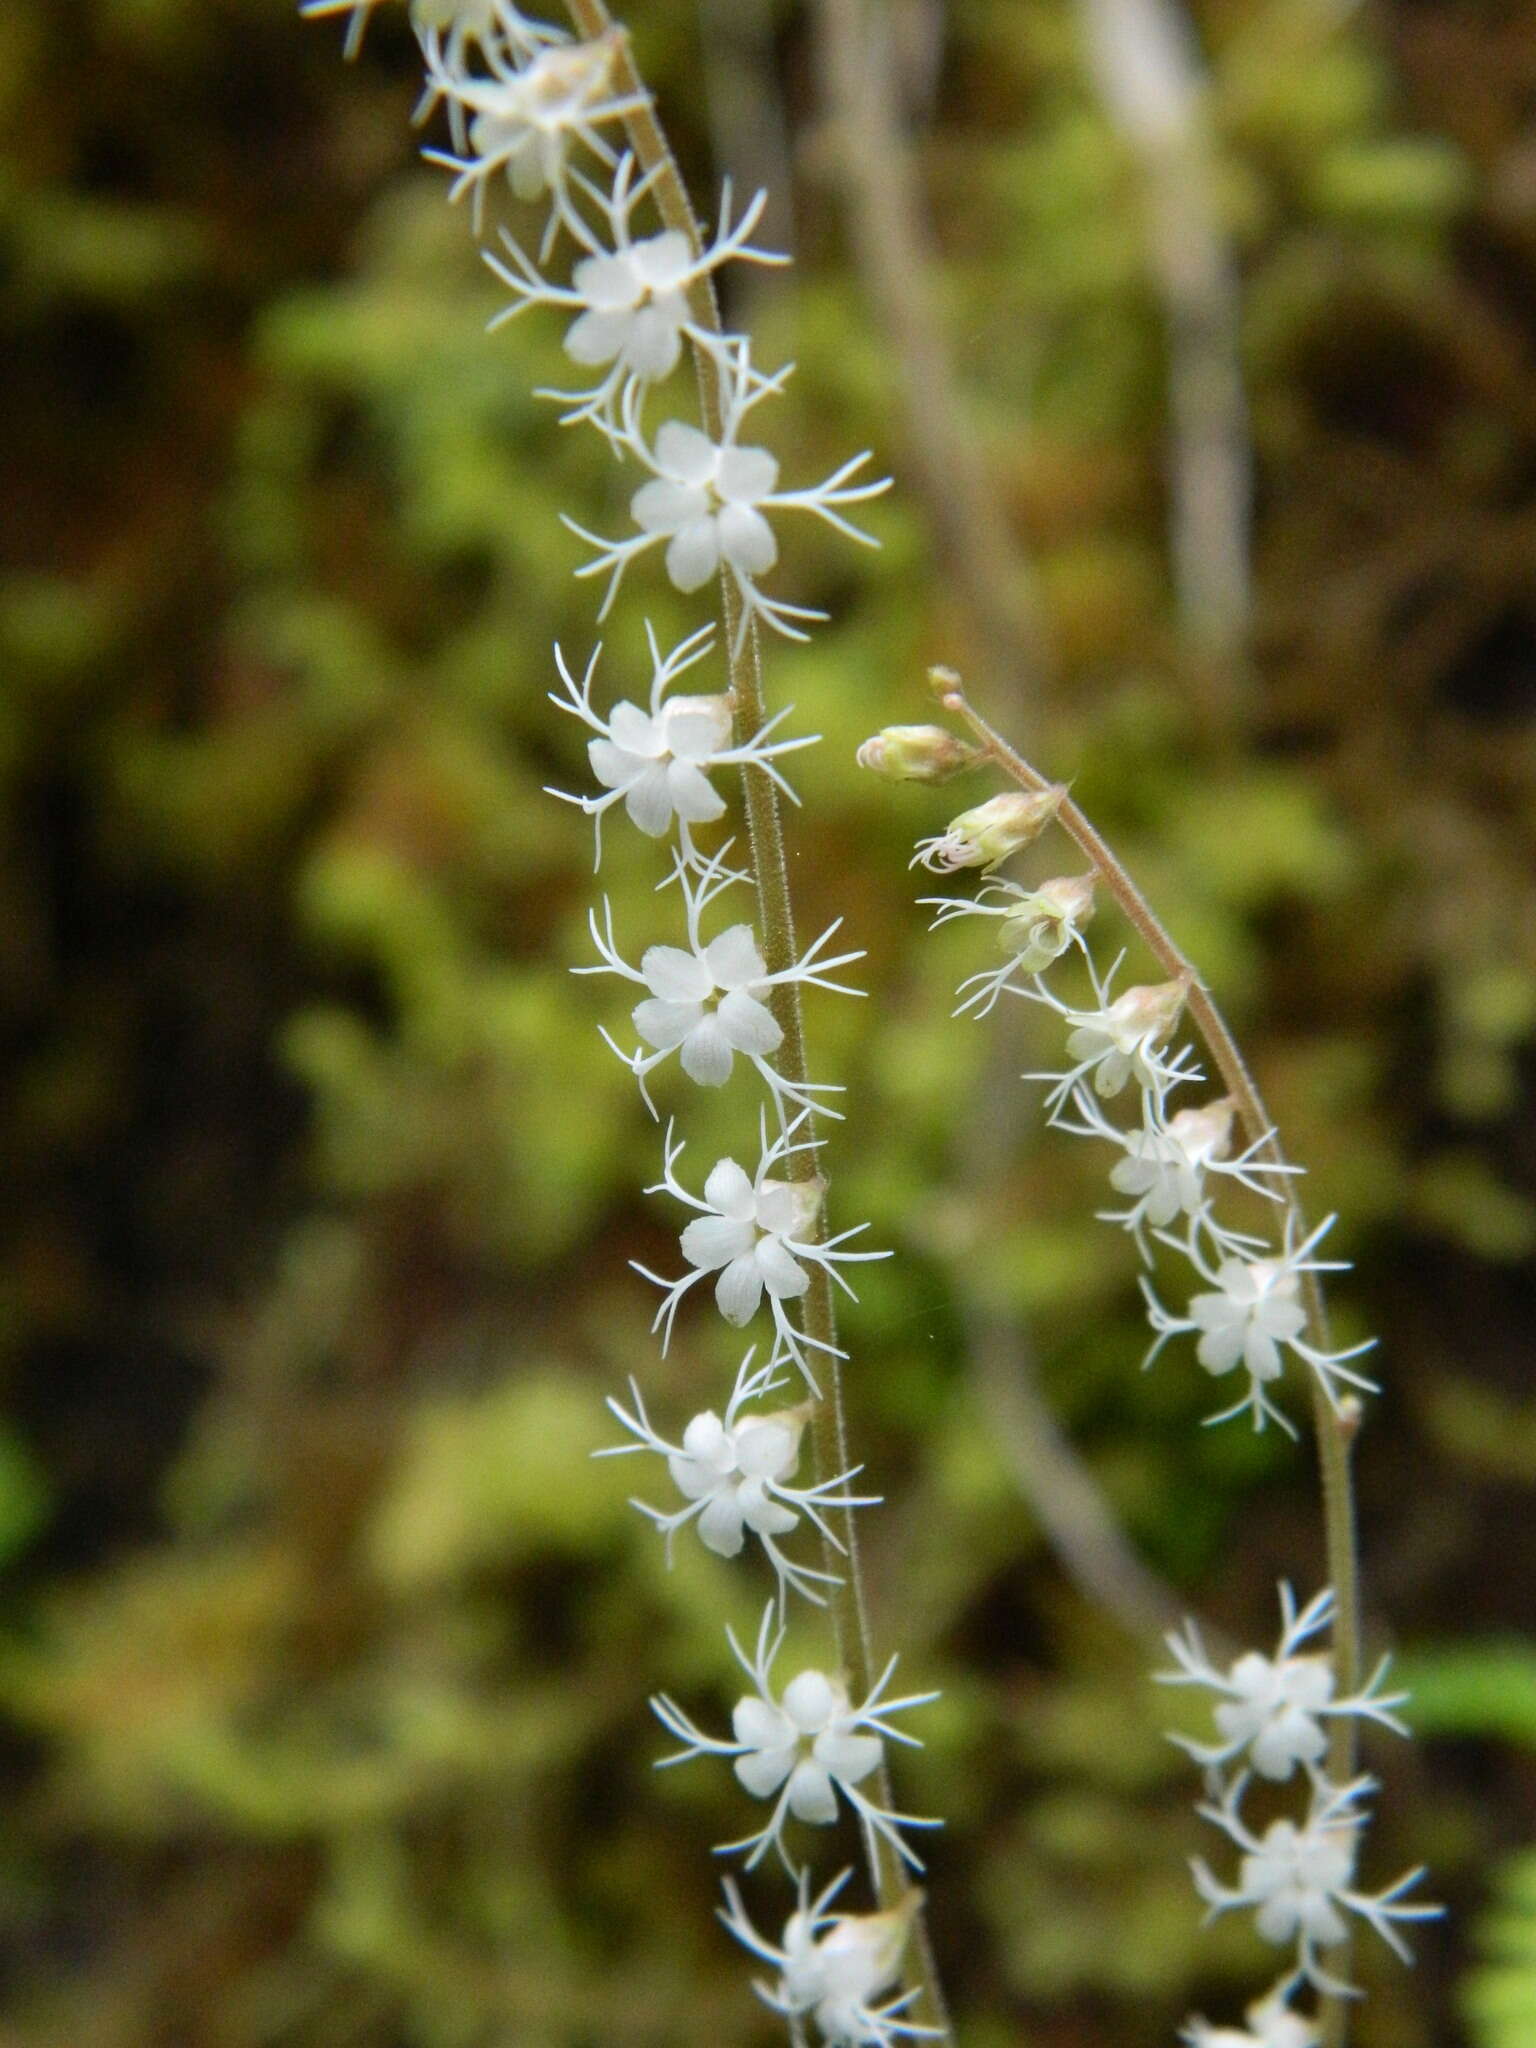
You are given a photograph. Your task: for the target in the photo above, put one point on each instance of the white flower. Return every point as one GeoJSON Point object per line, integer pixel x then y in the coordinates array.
{"type": "Point", "coordinates": [834, 1966]}
{"type": "Point", "coordinates": [1252, 1316]}
{"type": "Point", "coordinates": [754, 1233]}
{"type": "Point", "coordinates": [707, 1001]}
{"type": "Point", "coordinates": [1122, 1038]}
{"type": "Point", "coordinates": [805, 1745]}
{"type": "Point", "coordinates": [1037, 926]}
{"type": "Point", "coordinates": [1271, 2024]}
{"type": "Point", "coordinates": [1166, 1162]}
{"type": "Point", "coordinates": [1299, 1879]}
{"type": "Point", "coordinates": [629, 297]}
{"type": "Point", "coordinates": [708, 501]}
{"type": "Point", "coordinates": [735, 1475]}
{"type": "Point", "coordinates": [524, 117]}
{"type": "Point", "coordinates": [1275, 1707]}
{"type": "Point", "coordinates": [657, 762]}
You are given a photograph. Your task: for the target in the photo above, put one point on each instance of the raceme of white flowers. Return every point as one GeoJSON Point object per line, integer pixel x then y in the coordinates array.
{"type": "Point", "coordinates": [1244, 1305]}
{"type": "Point", "coordinates": [531, 108]}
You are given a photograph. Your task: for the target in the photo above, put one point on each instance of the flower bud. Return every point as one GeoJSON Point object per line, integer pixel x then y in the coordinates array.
{"type": "Point", "coordinates": [1204, 1133]}
{"type": "Point", "coordinates": [1148, 1012]}
{"type": "Point", "coordinates": [805, 1203]}
{"type": "Point", "coordinates": [916, 753]}
{"type": "Point", "coordinates": [860, 1954]}
{"type": "Point", "coordinates": [714, 713]}
{"type": "Point", "coordinates": [983, 837]}
{"type": "Point", "coordinates": [1040, 926]}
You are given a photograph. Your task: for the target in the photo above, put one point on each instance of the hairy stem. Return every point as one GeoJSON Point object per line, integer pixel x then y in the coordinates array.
{"type": "Point", "coordinates": [770, 866]}
{"type": "Point", "coordinates": [1335, 1431]}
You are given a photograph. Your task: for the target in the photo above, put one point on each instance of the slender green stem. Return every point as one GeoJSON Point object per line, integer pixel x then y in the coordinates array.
{"type": "Point", "coordinates": [770, 866]}
{"type": "Point", "coordinates": [1335, 1429]}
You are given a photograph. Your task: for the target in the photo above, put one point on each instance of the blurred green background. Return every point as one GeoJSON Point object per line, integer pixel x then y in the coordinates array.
{"type": "Point", "coordinates": [325, 1648]}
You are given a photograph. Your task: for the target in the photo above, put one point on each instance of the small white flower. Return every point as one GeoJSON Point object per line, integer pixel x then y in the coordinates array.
{"type": "Point", "coordinates": [805, 1745]}
{"type": "Point", "coordinates": [1166, 1163]}
{"type": "Point", "coordinates": [736, 1474]}
{"type": "Point", "coordinates": [1275, 1707]}
{"type": "Point", "coordinates": [835, 1966]}
{"type": "Point", "coordinates": [1037, 926]}
{"type": "Point", "coordinates": [754, 1233]}
{"type": "Point", "coordinates": [1122, 1038]}
{"type": "Point", "coordinates": [1271, 2024]}
{"type": "Point", "coordinates": [707, 1002]}
{"type": "Point", "coordinates": [1300, 1879]}
{"type": "Point", "coordinates": [629, 296]}
{"type": "Point", "coordinates": [708, 501]}
{"type": "Point", "coordinates": [524, 117]}
{"type": "Point", "coordinates": [657, 763]}
{"type": "Point", "coordinates": [1252, 1316]}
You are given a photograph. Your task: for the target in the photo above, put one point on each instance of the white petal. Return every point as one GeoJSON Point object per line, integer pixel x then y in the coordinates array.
{"type": "Point", "coordinates": [684, 454]}
{"type": "Point", "coordinates": [637, 732]}
{"type": "Point", "coordinates": [739, 1289]}
{"type": "Point", "coordinates": [693, 1479]}
{"type": "Point", "coordinates": [614, 767]}
{"type": "Point", "coordinates": [720, 1525]}
{"type": "Point", "coordinates": [811, 1796]}
{"type": "Point", "coordinates": [734, 959]}
{"type": "Point", "coordinates": [849, 1757]}
{"type": "Point", "coordinates": [685, 736]}
{"type": "Point", "coordinates": [662, 259]}
{"type": "Point", "coordinates": [707, 1439]}
{"type": "Point", "coordinates": [764, 1771]}
{"type": "Point", "coordinates": [648, 801]}
{"type": "Point", "coordinates": [706, 1054]}
{"type": "Point", "coordinates": [811, 1700]}
{"type": "Point", "coordinates": [757, 1723]}
{"type": "Point", "coordinates": [766, 1517]}
{"type": "Point", "coordinates": [729, 1192]}
{"type": "Point", "coordinates": [693, 795]}
{"type": "Point", "coordinates": [711, 1241]}
{"type": "Point", "coordinates": [676, 976]}
{"type": "Point", "coordinates": [610, 281]}
{"type": "Point", "coordinates": [593, 339]}
{"type": "Point", "coordinates": [767, 1450]}
{"type": "Point", "coordinates": [653, 344]}
{"type": "Point", "coordinates": [746, 539]}
{"type": "Point", "coordinates": [747, 1025]}
{"type": "Point", "coordinates": [782, 1277]}
{"type": "Point", "coordinates": [746, 475]}
{"type": "Point", "coordinates": [693, 553]}
{"type": "Point", "coordinates": [1219, 1350]}
{"type": "Point", "coordinates": [662, 507]}
{"type": "Point", "coordinates": [665, 1025]}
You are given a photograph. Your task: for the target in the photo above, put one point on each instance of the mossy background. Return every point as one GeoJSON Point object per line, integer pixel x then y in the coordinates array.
{"type": "Point", "coordinates": [325, 1646]}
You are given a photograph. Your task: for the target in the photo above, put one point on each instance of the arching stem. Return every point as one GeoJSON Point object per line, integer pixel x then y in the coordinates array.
{"type": "Point", "coordinates": [1335, 1430]}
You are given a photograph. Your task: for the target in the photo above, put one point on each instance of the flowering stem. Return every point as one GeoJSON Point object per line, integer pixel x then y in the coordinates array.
{"type": "Point", "coordinates": [1336, 1431]}
{"type": "Point", "coordinates": [770, 869]}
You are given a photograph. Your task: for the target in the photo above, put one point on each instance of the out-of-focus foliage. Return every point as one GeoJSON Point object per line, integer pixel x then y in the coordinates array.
{"type": "Point", "coordinates": [1500, 1997]}
{"type": "Point", "coordinates": [327, 1646]}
